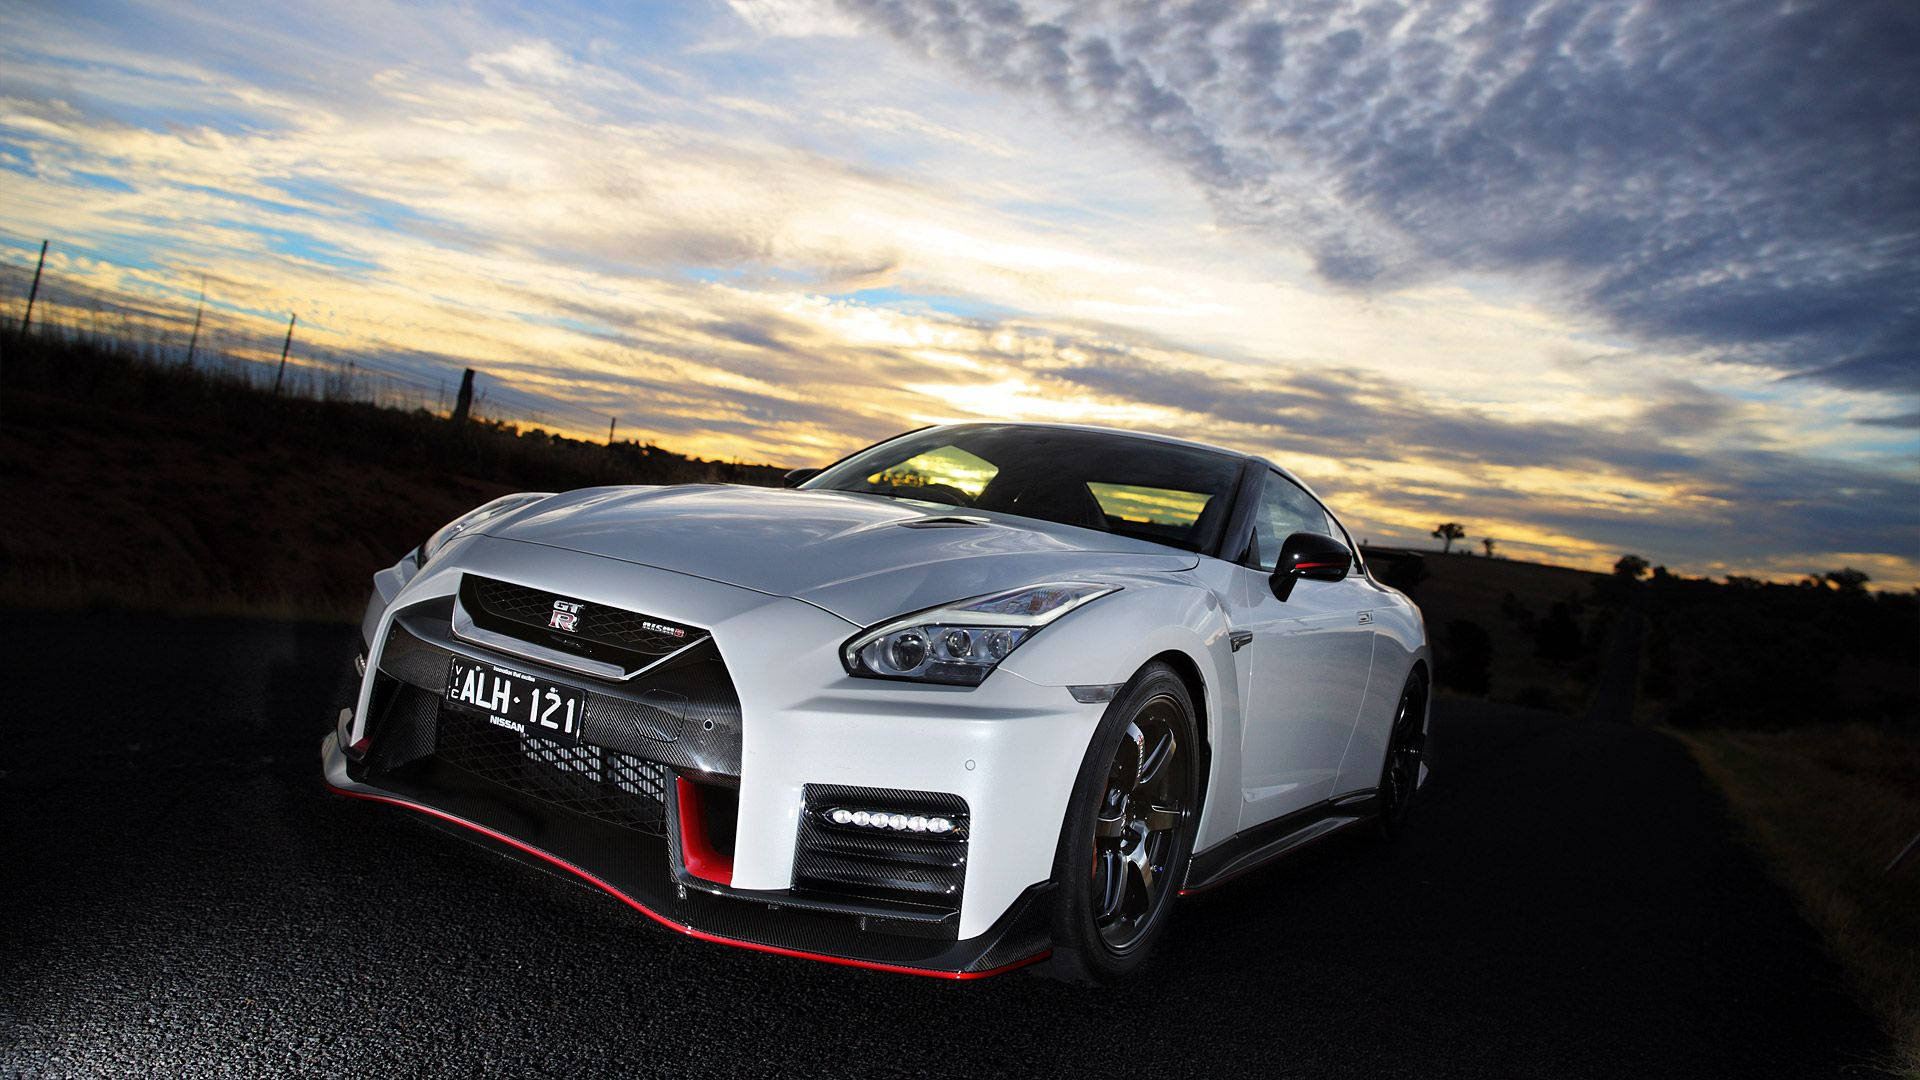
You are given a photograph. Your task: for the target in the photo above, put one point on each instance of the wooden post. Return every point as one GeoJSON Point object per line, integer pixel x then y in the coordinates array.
{"type": "Point", "coordinates": [465, 403]}
{"type": "Point", "coordinates": [194, 341]}
{"type": "Point", "coordinates": [27, 319]}
{"type": "Point", "coordinates": [1902, 857]}
{"type": "Point", "coordinates": [611, 420]}
{"type": "Point", "coordinates": [288, 344]}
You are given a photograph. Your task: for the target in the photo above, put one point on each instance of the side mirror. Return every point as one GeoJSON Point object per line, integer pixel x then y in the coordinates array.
{"type": "Point", "coordinates": [1312, 556]}
{"type": "Point", "coordinates": [796, 477]}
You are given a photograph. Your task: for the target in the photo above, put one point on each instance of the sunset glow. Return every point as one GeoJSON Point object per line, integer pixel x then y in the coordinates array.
{"type": "Point", "coordinates": [774, 230]}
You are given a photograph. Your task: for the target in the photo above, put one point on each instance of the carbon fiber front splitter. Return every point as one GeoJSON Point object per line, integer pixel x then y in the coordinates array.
{"type": "Point", "coordinates": [636, 869]}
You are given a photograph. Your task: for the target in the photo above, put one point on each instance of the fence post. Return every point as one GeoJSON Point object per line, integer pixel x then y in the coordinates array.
{"type": "Point", "coordinates": [194, 341]}
{"type": "Point", "coordinates": [288, 344]}
{"type": "Point", "coordinates": [27, 319]}
{"type": "Point", "coordinates": [465, 402]}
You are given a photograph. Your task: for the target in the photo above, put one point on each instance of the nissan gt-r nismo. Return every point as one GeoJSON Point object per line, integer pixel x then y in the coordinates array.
{"type": "Point", "coordinates": [978, 696]}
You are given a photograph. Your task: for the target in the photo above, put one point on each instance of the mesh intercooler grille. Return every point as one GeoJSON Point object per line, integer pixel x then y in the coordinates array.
{"type": "Point", "coordinates": [600, 783]}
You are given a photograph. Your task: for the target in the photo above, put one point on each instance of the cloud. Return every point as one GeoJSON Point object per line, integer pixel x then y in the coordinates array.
{"type": "Point", "coordinates": [1904, 420]}
{"type": "Point", "coordinates": [794, 18]}
{"type": "Point", "coordinates": [802, 247]}
{"type": "Point", "coordinates": [1741, 176]}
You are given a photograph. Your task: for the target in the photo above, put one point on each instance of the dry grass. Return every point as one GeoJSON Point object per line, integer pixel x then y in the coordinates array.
{"type": "Point", "coordinates": [1477, 589]}
{"type": "Point", "coordinates": [1829, 807]}
{"type": "Point", "coordinates": [142, 486]}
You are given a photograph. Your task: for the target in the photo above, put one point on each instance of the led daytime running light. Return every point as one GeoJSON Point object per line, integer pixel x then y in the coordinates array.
{"type": "Point", "coordinates": [891, 820]}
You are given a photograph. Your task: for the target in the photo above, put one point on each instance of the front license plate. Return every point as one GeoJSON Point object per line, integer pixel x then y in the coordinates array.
{"type": "Point", "coordinates": [517, 701]}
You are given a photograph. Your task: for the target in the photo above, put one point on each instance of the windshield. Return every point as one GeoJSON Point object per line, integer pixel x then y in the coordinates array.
{"type": "Point", "coordinates": [1140, 488]}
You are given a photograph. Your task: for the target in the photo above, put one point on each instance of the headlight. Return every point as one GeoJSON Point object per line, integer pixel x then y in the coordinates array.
{"type": "Point", "coordinates": [960, 644]}
{"type": "Point", "coordinates": [473, 519]}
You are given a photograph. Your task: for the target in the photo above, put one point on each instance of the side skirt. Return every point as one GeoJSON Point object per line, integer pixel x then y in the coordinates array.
{"type": "Point", "coordinates": [1269, 840]}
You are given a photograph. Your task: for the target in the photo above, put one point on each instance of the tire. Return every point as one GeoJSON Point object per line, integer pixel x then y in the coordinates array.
{"type": "Point", "coordinates": [1400, 771]}
{"type": "Point", "coordinates": [1128, 831]}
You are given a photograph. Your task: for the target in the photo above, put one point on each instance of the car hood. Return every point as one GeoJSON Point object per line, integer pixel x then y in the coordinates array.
{"type": "Point", "coordinates": [865, 558]}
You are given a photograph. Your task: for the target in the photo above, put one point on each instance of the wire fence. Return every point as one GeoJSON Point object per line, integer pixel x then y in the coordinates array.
{"type": "Point", "coordinates": [205, 331]}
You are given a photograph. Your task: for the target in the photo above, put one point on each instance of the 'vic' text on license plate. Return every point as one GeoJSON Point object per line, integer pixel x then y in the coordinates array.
{"type": "Point", "coordinates": [517, 701]}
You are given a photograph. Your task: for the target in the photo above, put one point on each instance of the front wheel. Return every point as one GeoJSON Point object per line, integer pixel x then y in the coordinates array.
{"type": "Point", "coordinates": [1128, 832]}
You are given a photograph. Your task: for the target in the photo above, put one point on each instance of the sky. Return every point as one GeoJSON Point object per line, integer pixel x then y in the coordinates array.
{"type": "Point", "coordinates": [1586, 277]}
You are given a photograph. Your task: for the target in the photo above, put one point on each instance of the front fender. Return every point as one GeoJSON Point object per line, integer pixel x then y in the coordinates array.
{"type": "Point", "coordinates": [1105, 643]}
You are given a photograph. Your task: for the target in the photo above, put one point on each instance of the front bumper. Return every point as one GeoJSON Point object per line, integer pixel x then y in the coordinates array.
{"type": "Point", "coordinates": [1009, 750]}
{"type": "Point", "coordinates": [634, 871]}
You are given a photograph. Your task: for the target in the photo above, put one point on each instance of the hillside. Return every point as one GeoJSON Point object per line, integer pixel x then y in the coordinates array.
{"type": "Point", "coordinates": [145, 486]}
{"type": "Point", "coordinates": [142, 485]}
{"type": "Point", "coordinates": [1516, 631]}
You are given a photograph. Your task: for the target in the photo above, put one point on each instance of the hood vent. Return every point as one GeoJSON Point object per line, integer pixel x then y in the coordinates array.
{"type": "Point", "coordinates": [946, 523]}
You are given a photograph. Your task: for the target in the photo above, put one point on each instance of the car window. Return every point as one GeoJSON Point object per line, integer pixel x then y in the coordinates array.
{"type": "Point", "coordinates": [943, 467]}
{"type": "Point", "coordinates": [1284, 510]}
{"type": "Point", "coordinates": [1139, 509]}
{"type": "Point", "coordinates": [1164, 493]}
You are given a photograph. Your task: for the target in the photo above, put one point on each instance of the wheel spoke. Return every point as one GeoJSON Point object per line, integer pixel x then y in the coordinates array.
{"type": "Point", "coordinates": [1139, 879]}
{"type": "Point", "coordinates": [1110, 884]}
{"type": "Point", "coordinates": [1161, 818]}
{"type": "Point", "coordinates": [1111, 828]}
{"type": "Point", "coordinates": [1153, 762]}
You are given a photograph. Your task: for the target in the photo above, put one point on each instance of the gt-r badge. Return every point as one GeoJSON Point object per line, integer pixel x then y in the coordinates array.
{"type": "Point", "coordinates": [566, 616]}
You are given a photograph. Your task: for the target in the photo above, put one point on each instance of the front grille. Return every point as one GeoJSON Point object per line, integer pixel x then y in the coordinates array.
{"type": "Point", "coordinates": [871, 864]}
{"type": "Point", "coordinates": [683, 712]}
{"type": "Point", "coordinates": [550, 619]}
{"type": "Point", "coordinates": [604, 784]}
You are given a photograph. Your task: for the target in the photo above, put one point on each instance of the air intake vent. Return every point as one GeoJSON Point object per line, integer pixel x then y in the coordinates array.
{"type": "Point", "coordinates": [890, 861]}
{"type": "Point", "coordinates": [590, 780]}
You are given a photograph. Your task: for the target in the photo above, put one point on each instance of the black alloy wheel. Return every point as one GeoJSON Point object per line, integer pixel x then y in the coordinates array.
{"type": "Point", "coordinates": [1129, 830]}
{"type": "Point", "coordinates": [1406, 743]}
{"type": "Point", "coordinates": [1134, 830]}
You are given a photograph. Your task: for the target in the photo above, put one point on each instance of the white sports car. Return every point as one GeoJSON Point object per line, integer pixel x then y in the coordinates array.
{"type": "Point", "coordinates": [976, 696]}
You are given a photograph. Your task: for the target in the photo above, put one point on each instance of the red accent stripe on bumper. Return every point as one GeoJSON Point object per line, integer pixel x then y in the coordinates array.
{"type": "Point", "coordinates": [669, 923]}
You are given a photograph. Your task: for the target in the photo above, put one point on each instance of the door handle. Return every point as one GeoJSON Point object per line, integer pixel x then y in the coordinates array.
{"type": "Point", "coordinates": [1366, 618]}
{"type": "Point", "coordinates": [1239, 639]}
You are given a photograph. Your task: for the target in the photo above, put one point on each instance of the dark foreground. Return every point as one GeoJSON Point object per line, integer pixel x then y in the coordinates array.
{"type": "Point", "coordinates": [180, 896]}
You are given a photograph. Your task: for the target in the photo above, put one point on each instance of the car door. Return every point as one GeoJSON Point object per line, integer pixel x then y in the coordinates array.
{"type": "Point", "coordinates": [1304, 668]}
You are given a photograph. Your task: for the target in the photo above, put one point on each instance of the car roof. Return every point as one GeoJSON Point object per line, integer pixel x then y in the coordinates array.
{"type": "Point", "coordinates": [1099, 430]}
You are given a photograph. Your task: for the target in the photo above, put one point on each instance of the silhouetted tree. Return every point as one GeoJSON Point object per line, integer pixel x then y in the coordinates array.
{"type": "Point", "coordinates": [1631, 567]}
{"type": "Point", "coordinates": [1658, 676]}
{"type": "Point", "coordinates": [1558, 636]}
{"type": "Point", "coordinates": [1849, 580]}
{"type": "Point", "coordinates": [1449, 532]}
{"type": "Point", "coordinates": [1466, 653]}
{"type": "Point", "coordinates": [1512, 608]}
{"type": "Point", "coordinates": [1487, 542]}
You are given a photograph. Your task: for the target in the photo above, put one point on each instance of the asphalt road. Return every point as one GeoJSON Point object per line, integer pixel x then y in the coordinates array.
{"type": "Point", "coordinates": [182, 897]}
